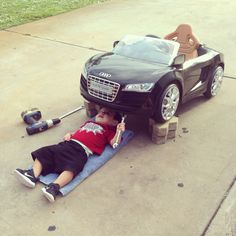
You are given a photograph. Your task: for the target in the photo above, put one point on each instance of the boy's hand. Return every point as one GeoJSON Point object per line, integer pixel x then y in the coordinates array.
{"type": "Point", "coordinates": [120, 127]}
{"type": "Point", "coordinates": [67, 137]}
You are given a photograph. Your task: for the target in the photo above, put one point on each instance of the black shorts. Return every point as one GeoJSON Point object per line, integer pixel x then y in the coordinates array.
{"type": "Point", "coordinates": [67, 155]}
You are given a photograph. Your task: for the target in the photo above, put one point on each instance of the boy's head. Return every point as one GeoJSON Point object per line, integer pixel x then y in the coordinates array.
{"type": "Point", "coordinates": [107, 116]}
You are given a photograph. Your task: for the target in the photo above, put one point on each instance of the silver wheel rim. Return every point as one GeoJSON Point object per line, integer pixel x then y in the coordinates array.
{"type": "Point", "coordinates": [217, 80]}
{"type": "Point", "coordinates": [170, 102]}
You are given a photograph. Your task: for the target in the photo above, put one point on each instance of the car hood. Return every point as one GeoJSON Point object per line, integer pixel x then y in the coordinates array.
{"type": "Point", "coordinates": [123, 69]}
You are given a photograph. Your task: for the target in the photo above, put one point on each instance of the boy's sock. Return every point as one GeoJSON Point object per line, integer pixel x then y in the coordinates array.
{"type": "Point", "coordinates": [26, 177]}
{"type": "Point", "coordinates": [50, 191]}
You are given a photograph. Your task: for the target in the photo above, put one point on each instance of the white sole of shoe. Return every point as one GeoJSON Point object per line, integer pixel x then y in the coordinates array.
{"type": "Point", "coordinates": [24, 180]}
{"type": "Point", "coordinates": [48, 195]}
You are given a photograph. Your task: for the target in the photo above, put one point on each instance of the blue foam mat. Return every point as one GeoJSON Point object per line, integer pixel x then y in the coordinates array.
{"type": "Point", "coordinates": [94, 162]}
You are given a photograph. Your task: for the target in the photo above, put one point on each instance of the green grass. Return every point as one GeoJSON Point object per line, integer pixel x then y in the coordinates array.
{"type": "Point", "coordinates": [16, 12]}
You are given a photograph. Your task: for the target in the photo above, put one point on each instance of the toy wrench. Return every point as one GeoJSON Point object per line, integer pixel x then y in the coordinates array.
{"type": "Point", "coordinates": [116, 143]}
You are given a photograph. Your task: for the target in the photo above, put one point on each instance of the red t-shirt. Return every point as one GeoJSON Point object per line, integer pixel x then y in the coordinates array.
{"type": "Point", "coordinates": [95, 136]}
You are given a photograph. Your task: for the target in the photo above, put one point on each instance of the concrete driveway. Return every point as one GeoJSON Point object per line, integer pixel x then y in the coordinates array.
{"type": "Point", "coordinates": [173, 189]}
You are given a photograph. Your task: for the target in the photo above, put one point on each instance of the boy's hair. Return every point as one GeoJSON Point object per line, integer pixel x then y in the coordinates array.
{"type": "Point", "coordinates": [117, 117]}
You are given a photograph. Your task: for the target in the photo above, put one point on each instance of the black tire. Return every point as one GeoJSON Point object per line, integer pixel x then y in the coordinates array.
{"type": "Point", "coordinates": [162, 114]}
{"type": "Point", "coordinates": [215, 82]}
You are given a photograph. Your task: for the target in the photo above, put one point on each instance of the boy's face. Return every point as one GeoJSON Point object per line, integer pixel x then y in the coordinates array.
{"type": "Point", "coordinates": [106, 116]}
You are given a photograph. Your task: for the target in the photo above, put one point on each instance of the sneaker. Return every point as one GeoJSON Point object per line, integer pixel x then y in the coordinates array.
{"type": "Point", "coordinates": [26, 177]}
{"type": "Point", "coordinates": [51, 191]}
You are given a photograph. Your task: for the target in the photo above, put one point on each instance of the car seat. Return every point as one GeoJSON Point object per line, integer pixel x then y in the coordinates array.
{"type": "Point", "coordinates": [188, 42]}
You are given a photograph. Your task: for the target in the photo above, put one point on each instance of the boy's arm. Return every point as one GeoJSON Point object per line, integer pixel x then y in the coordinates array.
{"type": "Point", "coordinates": [67, 137]}
{"type": "Point", "coordinates": [120, 128]}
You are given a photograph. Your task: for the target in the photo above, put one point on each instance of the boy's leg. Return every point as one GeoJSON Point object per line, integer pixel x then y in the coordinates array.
{"type": "Point", "coordinates": [64, 178]}
{"type": "Point", "coordinates": [52, 189]}
{"type": "Point", "coordinates": [37, 168]}
{"type": "Point", "coordinates": [29, 177]}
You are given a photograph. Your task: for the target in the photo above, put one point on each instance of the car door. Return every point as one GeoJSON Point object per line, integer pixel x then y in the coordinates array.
{"type": "Point", "coordinates": [191, 74]}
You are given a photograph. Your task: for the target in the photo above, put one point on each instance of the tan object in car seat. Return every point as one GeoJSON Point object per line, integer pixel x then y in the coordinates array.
{"type": "Point", "coordinates": [188, 42]}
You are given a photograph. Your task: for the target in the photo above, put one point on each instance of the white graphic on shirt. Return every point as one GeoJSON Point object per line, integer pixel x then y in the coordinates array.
{"type": "Point", "coordinates": [92, 127]}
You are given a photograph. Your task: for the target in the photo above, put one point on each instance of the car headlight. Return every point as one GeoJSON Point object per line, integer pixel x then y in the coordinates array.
{"type": "Point", "coordinates": [84, 72]}
{"type": "Point", "coordinates": [144, 87]}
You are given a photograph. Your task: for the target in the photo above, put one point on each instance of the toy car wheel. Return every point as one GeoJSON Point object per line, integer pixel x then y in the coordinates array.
{"type": "Point", "coordinates": [215, 82]}
{"type": "Point", "coordinates": [168, 104]}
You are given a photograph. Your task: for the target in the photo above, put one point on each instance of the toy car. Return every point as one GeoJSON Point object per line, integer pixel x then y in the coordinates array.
{"type": "Point", "coordinates": [147, 74]}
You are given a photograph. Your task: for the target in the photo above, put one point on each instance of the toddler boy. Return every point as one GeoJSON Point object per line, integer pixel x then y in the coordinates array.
{"type": "Point", "coordinates": [68, 158]}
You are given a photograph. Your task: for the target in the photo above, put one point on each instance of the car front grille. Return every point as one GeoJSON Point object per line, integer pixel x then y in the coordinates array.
{"type": "Point", "coordinates": [102, 88]}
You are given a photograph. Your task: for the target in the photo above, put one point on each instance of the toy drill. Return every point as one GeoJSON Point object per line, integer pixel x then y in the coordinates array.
{"type": "Point", "coordinates": [32, 117]}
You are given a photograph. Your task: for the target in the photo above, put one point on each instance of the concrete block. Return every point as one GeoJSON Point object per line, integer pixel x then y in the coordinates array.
{"type": "Point", "coordinates": [160, 130]}
{"type": "Point", "coordinates": [97, 107]}
{"type": "Point", "coordinates": [159, 139]}
{"type": "Point", "coordinates": [173, 123]}
{"type": "Point", "coordinates": [89, 105]}
{"type": "Point", "coordinates": [91, 113]}
{"type": "Point", "coordinates": [171, 134]}
{"type": "Point", "coordinates": [91, 108]}
{"type": "Point", "coordinates": [150, 126]}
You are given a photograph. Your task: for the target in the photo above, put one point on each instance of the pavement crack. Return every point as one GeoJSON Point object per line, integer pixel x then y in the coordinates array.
{"type": "Point", "coordinates": [55, 41]}
{"type": "Point", "coordinates": [229, 77]}
{"type": "Point", "coordinates": [218, 207]}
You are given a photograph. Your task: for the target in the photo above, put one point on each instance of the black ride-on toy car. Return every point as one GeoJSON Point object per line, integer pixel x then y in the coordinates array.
{"type": "Point", "coordinates": [147, 74]}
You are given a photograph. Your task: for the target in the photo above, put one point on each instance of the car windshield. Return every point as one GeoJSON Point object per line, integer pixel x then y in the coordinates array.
{"type": "Point", "coordinates": [146, 48]}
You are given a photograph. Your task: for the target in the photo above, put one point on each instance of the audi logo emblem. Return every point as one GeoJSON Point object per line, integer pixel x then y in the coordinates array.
{"type": "Point", "coordinates": [106, 75]}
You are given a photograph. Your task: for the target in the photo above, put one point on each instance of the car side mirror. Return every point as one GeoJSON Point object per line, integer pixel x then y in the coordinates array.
{"type": "Point", "coordinates": [179, 60]}
{"type": "Point", "coordinates": [115, 43]}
